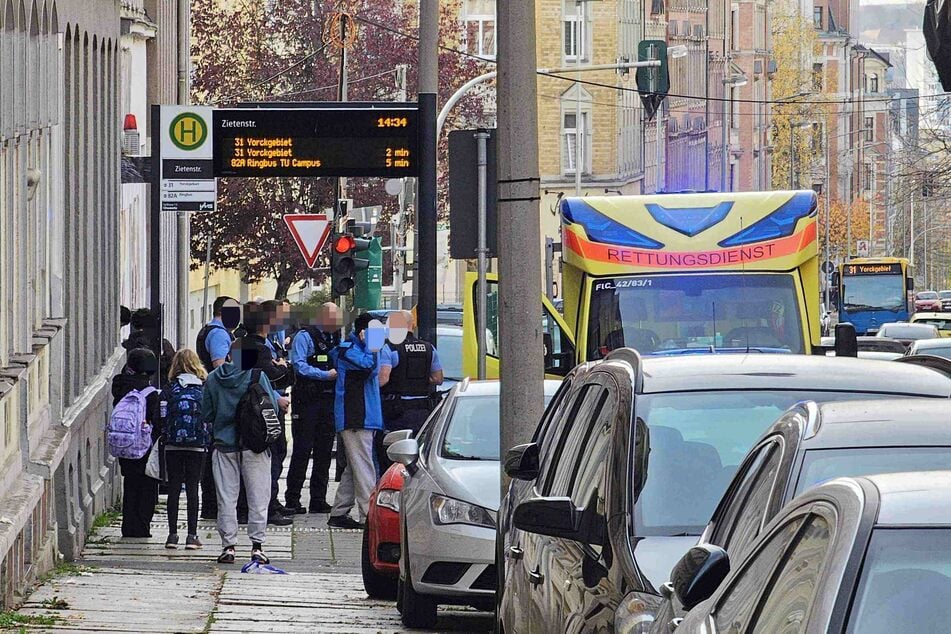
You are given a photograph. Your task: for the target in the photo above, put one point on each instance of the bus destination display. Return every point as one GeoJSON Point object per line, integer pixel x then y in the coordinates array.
{"type": "Point", "coordinates": [317, 142]}
{"type": "Point", "coordinates": [873, 269]}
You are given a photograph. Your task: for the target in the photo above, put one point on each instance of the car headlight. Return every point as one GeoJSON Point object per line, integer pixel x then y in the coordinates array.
{"type": "Point", "coordinates": [636, 613]}
{"type": "Point", "coordinates": [389, 499]}
{"type": "Point", "coordinates": [450, 511]}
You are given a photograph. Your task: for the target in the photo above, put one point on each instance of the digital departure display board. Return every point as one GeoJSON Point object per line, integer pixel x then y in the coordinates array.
{"type": "Point", "coordinates": [348, 142]}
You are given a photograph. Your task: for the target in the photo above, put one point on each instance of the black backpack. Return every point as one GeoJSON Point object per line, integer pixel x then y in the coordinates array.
{"type": "Point", "coordinates": [257, 422]}
{"type": "Point", "coordinates": [202, 349]}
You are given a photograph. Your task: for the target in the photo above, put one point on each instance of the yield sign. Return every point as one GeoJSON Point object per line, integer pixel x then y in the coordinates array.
{"type": "Point", "coordinates": [310, 232]}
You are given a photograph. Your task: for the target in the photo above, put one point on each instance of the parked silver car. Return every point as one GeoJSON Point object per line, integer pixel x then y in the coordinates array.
{"type": "Point", "coordinates": [449, 505]}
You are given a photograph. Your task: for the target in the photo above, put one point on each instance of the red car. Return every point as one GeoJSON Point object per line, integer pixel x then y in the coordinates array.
{"type": "Point", "coordinates": [380, 561]}
{"type": "Point", "coordinates": [927, 302]}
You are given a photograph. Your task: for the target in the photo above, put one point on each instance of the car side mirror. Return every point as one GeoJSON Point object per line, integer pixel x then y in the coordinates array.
{"type": "Point", "coordinates": [846, 343]}
{"type": "Point", "coordinates": [396, 436]}
{"type": "Point", "coordinates": [521, 462]}
{"type": "Point", "coordinates": [555, 517]}
{"type": "Point", "coordinates": [699, 573]}
{"type": "Point", "coordinates": [911, 283]}
{"type": "Point", "coordinates": [405, 452]}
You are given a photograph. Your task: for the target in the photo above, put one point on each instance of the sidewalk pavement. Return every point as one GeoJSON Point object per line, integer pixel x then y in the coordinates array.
{"type": "Point", "coordinates": [136, 585]}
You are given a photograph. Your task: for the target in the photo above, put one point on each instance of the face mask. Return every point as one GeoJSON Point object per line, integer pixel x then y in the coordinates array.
{"type": "Point", "coordinates": [397, 335]}
{"type": "Point", "coordinates": [375, 336]}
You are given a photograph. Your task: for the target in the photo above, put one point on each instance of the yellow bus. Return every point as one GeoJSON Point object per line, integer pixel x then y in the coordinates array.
{"type": "Point", "coordinates": [675, 274]}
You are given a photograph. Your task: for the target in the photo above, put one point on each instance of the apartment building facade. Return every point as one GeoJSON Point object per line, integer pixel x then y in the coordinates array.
{"type": "Point", "coordinates": [61, 265]}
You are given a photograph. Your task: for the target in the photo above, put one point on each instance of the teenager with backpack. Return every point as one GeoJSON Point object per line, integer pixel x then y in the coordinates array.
{"type": "Point", "coordinates": [187, 439]}
{"type": "Point", "coordinates": [239, 396]}
{"type": "Point", "coordinates": [133, 426]}
{"type": "Point", "coordinates": [212, 345]}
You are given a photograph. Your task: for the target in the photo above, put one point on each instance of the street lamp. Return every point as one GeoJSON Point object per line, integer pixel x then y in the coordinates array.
{"type": "Point", "coordinates": [736, 80]}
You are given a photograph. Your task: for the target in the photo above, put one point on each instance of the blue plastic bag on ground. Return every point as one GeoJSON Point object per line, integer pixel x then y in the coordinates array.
{"type": "Point", "coordinates": [256, 568]}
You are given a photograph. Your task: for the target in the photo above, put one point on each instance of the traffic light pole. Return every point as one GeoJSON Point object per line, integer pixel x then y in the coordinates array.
{"type": "Point", "coordinates": [482, 139]}
{"type": "Point", "coordinates": [426, 199]}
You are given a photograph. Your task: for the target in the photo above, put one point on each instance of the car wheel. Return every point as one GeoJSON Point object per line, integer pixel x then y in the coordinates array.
{"type": "Point", "coordinates": [377, 585]}
{"type": "Point", "coordinates": [416, 610]}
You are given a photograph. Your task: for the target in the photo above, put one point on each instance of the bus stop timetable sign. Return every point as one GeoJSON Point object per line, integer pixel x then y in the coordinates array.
{"type": "Point", "coordinates": [346, 142]}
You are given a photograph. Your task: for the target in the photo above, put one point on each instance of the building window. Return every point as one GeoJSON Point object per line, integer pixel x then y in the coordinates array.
{"type": "Point", "coordinates": [873, 83]}
{"type": "Point", "coordinates": [869, 129]}
{"type": "Point", "coordinates": [868, 178]}
{"type": "Point", "coordinates": [479, 21]}
{"type": "Point", "coordinates": [575, 133]}
{"type": "Point", "coordinates": [817, 77]}
{"type": "Point", "coordinates": [576, 35]}
{"type": "Point", "coordinates": [817, 17]}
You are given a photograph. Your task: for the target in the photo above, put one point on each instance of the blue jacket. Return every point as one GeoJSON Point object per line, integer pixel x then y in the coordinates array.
{"type": "Point", "coordinates": [357, 394]}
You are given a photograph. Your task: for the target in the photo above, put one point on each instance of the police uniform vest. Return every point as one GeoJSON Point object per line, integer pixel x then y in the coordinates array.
{"type": "Point", "coordinates": [411, 375]}
{"type": "Point", "coordinates": [323, 344]}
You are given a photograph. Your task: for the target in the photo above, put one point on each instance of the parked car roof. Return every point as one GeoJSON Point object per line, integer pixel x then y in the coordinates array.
{"type": "Point", "coordinates": [907, 330]}
{"type": "Point", "coordinates": [927, 344]}
{"type": "Point", "coordinates": [760, 371]}
{"type": "Point", "coordinates": [914, 499]}
{"type": "Point", "coordinates": [883, 423]}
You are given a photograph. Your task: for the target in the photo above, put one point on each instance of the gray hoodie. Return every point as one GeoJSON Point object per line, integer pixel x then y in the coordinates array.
{"type": "Point", "coordinates": [223, 389]}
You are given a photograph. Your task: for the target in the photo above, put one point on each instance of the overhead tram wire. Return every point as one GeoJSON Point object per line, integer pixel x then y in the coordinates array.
{"type": "Point", "coordinates": [350, 82]}
{"type": "Point", "coordinates": [588, 82]}
{"type": "Point", "coordinates": [276, 75]}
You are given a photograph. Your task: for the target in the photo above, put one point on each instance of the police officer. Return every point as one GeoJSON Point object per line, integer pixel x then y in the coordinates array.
{"type": "Point", "coordinates": [312, 407]}
{"type": "Point", "coordinates": [409, 373]}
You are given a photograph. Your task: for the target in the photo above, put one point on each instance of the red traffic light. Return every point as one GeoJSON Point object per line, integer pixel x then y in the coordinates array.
{"type": "Point", "coordinates": [344, 244]}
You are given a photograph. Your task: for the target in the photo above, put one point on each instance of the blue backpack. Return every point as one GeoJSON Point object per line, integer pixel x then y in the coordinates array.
{"type": "Point", "coordinates": [181, 410]}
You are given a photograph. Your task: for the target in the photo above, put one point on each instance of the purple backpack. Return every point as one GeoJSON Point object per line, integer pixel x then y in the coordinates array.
{"type": "Point", "coordinates": [128, 435]}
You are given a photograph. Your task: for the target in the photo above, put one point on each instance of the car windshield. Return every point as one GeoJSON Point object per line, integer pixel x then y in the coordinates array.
{"type": "Point", "coordinates": [935, 351]}
{"type": "Point", "coordinates": [820, 465]}
{"type": "Point", "coordinates": [450, 353]}
{"type": "Point", "coordinates": [656, 313]}
{"type": "Point", "coordinates": [697, 442]}
{"type": "Point", "coordinates": [928, 295]}
{"type": "Point", "coordinates": [472, 432]}
{"type": "Point", "coordinates": [944, 294]}
{"type": "Point", "coordinates": [908, 331]}
{"type": "Point", "coordinates": [940, 324]}
{"type": "Point", "coordinates": [905, 582]}
{"type": "Point", "coordinates": [873, 292]}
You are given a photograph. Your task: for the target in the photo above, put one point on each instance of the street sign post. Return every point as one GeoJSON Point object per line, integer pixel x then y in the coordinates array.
{"type": "Point", "coordinates": [310, 232]}
{"type": "Point", "coordinates": [186, 164]}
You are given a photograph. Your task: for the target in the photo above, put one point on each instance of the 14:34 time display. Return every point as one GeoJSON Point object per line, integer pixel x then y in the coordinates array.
{"type": "Point", "coordinates": [392, 122]}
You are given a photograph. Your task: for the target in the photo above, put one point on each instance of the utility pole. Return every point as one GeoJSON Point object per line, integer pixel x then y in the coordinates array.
{"type": "Point", "coordinates": [519, 240]}
{"type": "Point", "coordinates": [184, 229]}
{"type": "Point", "coordinates": [580, 132]}
{"type": "Point", "coordinates": [426, 199]}
{"type": "Point", "coordinates": [341, 186]}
